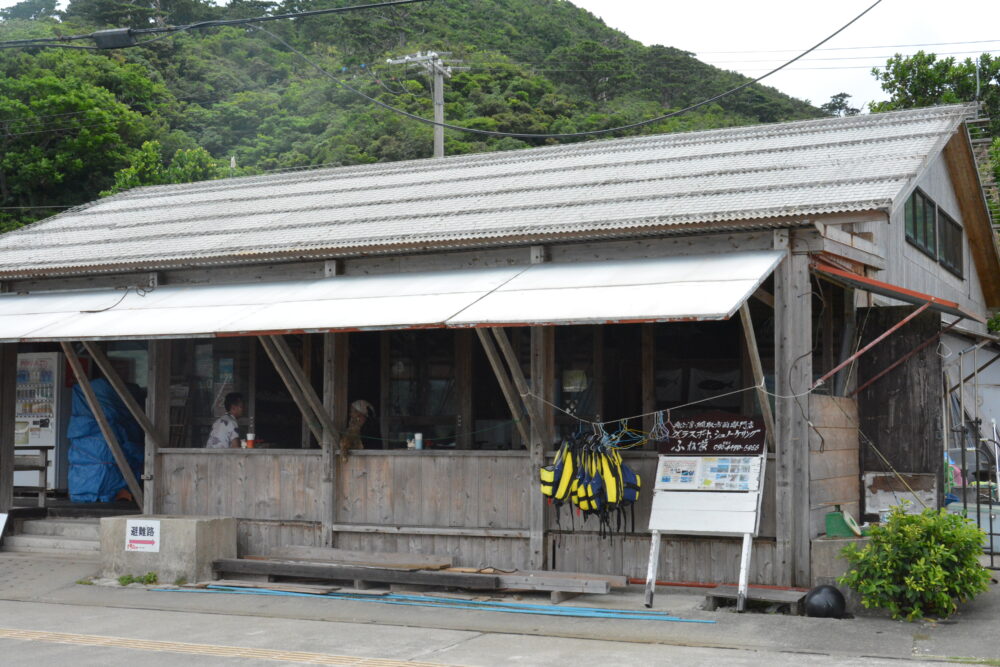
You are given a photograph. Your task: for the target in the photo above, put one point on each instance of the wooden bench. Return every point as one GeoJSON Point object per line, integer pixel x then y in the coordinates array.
{"type": "Point", "coordinates": [792, 599]}
{"type": "Point", "coordinates": [37, 461]}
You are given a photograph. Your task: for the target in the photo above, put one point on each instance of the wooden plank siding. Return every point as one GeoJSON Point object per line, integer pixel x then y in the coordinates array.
{"type": "Point", "coordinates": [834, 459]}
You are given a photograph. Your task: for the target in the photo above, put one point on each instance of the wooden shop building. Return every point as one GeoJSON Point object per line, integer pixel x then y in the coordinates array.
{"type": "Point", "coordinates": [486, 301]}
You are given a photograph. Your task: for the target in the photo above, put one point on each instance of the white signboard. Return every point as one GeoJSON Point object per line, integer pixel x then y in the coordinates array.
{"type": "Point", "coordinates": [142, 535]}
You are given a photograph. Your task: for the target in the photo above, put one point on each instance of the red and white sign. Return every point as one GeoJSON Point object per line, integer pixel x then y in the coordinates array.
{"type": "Point", "coordinates": [142, 535]}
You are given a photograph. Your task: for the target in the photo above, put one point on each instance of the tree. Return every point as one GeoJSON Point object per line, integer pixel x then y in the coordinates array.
{"type": "Point", "coordinates": [838, 106]}
{"type": "Point", "coordinates": [64, 130]}
{"type": "Point", "coordinates": [30, 10]}
{"type": "Point", "coordinates": [147, 167]}
{"type": "Point", "coordinates": [922, 80]}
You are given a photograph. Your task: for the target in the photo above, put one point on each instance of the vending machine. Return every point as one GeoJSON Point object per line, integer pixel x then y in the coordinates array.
{"type": "Point", "coordinates": [42, 413]}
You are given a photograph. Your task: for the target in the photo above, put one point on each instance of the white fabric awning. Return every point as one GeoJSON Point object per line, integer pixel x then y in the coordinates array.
{"type": "Point", "coordinates": [701, 287]}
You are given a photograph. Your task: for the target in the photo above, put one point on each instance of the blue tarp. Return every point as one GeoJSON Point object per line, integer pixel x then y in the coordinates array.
{"type": "Point", "coordinates": [93, 473]}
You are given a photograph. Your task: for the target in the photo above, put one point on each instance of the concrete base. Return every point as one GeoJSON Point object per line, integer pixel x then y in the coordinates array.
{"type": "Point", "coordinates": [188, 545]}
{"type": "Point", "coordinates": [827, 565]}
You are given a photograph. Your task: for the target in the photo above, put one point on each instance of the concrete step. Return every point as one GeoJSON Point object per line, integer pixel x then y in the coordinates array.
{"type": "Point", "coordinates": [48, 544]}
{"type": "Point", "coordinates": [77, 529]}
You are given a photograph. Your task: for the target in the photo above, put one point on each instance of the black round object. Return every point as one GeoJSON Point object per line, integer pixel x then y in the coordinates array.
{"type": "Point", "coordinates": [825, 602]}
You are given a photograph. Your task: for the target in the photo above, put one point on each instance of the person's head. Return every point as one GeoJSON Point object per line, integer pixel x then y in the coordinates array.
{"type": "Point", "coordinates": [234, 404]}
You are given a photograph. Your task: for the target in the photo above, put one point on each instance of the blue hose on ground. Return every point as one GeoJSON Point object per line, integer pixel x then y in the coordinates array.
{"type": "Point", "coordinates": [450, 603]}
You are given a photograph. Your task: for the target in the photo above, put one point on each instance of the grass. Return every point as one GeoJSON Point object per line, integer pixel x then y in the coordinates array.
{"type": "Point", "coordinates": [148, 578]}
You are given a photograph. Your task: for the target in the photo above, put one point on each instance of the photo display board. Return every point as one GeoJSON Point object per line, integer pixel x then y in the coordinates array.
{"type": "Point", "coordinates": [708, 473]}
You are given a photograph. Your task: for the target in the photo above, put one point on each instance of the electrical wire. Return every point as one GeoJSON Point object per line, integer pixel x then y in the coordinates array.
{"type": "Point", "coordinates": [569, 135]}
{"type": "Point", "coordinates": [858, 48]}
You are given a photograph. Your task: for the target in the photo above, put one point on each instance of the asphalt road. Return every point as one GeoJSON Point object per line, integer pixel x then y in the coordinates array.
{"type": "Point", "coordinates": [47, 619]}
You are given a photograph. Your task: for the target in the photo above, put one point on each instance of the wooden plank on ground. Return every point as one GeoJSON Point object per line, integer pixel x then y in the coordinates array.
{"type": "Point", "coordinates": [336, 572]}
{"type": "Point", "coordinates": [793, 598]}
{"type": "Point", "coordinates": [380, 559]}
{"type": "Point", "coordinates": [271, 586]}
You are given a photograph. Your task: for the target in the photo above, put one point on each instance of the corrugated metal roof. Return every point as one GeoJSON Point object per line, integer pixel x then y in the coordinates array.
{"type": "Point", "coordinates": [702, 287]}
{"type": "Point", "coordinates": [615, 187]}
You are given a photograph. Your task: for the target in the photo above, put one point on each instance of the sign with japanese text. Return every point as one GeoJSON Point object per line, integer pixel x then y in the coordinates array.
{"type": "Point", "coordinates": [142, 535]}
{"type": "Point", "coordinates": [716, 434]}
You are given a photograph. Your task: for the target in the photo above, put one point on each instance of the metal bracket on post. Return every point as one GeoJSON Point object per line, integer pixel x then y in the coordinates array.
{"type": "Point", "coordinates": [653, 567]}
{"type": "Point", "coordinates": [741, 592]}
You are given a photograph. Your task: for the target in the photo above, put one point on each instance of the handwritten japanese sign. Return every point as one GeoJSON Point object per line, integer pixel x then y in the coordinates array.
{"type": "Point", "coordinates": [714, 434]}
{"type": "Point", "coordinates": [142, 535]}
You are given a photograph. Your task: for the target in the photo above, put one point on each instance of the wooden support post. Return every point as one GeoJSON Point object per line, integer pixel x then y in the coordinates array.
{"type": "Point", "coordinates": [463, 389]}
{"type": "Point", "coordinates": [793, 380]}
{"type": "Point", "coordinates": [8, 385]}
{"type": "Point", "coordinates": [753, 353]}
{"type": "Point", "coordinates": [506, 384]}
{"type": "Point", "coordinates": [597, 382]}
{"type": "Point", "coordinates": [293, 388]}
{"type": "Point", "coordinates": [385, 380]}
{"type": "Point", "coordinates": [335, 358]}
{"type": "Point", "coordinates": [647, 374]}
{"type": "Point", "coordinates": [158, 409]}
{"type": "Point", "coordinates": [652, 567]}
{"type": "Point", "coordinates": [542, 381]}
{"type": "Point", "coordinates": [102, 422]}
{"type": "Point", "coordinates": [307, 372]}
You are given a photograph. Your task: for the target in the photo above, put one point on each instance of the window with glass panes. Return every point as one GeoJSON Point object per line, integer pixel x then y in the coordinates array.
{"type": "Point", "coordinates": [950, 237]}
{"type": "Point", "coordinates": [921, 223]}
{"type": "Point", "coordinates": [934, 232]}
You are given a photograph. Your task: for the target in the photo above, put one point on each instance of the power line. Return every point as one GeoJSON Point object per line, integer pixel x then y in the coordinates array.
{"type": "Point", "coordinates": [117, 38]}
{"type": "Point", "coordinates": [858, 48]}
{"type": "Point", "coordinates": [569, 135]}
{"type": "Point", "coordinates": [872, 57]}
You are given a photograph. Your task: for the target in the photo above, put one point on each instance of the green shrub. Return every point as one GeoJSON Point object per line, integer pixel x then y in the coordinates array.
{"type": "Point", "coordinates": [918, 565]}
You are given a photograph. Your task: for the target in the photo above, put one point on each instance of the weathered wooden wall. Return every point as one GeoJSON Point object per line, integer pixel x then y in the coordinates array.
{"type": "Point", "coordinates": [472, 505]}
{"type": "Point", "coordinates": [274, 493]}
{"type": "Point", "coordinates": [909, 267]}
{"type": "Point", "coordinates": [901, 412]}
{"type": "Point", "coordinates": [834, 464]}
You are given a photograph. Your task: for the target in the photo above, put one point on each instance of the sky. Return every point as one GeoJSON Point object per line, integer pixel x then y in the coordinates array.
{"type": "Point", "coordinates": [754, 37]}
{"type": "Point", "coordinates": [768, 32]}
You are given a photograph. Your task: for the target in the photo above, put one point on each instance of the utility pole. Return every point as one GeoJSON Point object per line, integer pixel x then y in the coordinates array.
{"type": "Point", "coordinates": [431, 62]}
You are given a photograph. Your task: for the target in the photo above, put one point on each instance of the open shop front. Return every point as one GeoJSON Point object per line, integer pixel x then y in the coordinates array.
{"type": "Point", "coordinates": [492, 368]}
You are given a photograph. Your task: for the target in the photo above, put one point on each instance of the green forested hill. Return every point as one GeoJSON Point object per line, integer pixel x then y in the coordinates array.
{"type": "Point", "coordinates": [76, 123]}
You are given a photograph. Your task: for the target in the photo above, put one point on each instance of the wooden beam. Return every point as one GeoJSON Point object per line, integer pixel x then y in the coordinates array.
{"type": "Point", "coordinates": [517, 375]}
{"type": "Point", "coordinates": [385, 363]}
{"type": "Point", "coordinates": [111, 375]}
{"type": "Point", "coordinates": [357, 572]}
{"type": "Point", "coordinates": [597, 381]}
{"type": "Point", "coordinates": [8, 387]}
{"type": "Point", "coordinates": [307, 372]}
{"type": "Point", "coordinates": [306, 388]}
{"type": "Point", "coordinates": [158, 409]}
{"type": "Point", "coordinates": [958, 156]}
{"type": "Point", "coordinates": [793, 379]}
{"type": "Point", "coordinates": [757, 367]}
{"type": "Point", "coordinates": [463, 389]}
{"type": "Point", "coordinates": [381, 529]}
{"type": "Point", "coordinates": [647, 373]}
{"type": "Point", "coordinates": [335, 358]}
{"type": "Point", "coordinates": [293, 388]}
{"type": "Point", "coordinates": [102, 422]}
{"type": "Point", "coordinates": [506, 384]}
{"type": "Point", "coordinates": [542, 385]}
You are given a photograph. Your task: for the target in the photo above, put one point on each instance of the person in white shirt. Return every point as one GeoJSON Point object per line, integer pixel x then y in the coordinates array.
{"type": "Point", "coordinates": [225, 431]}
